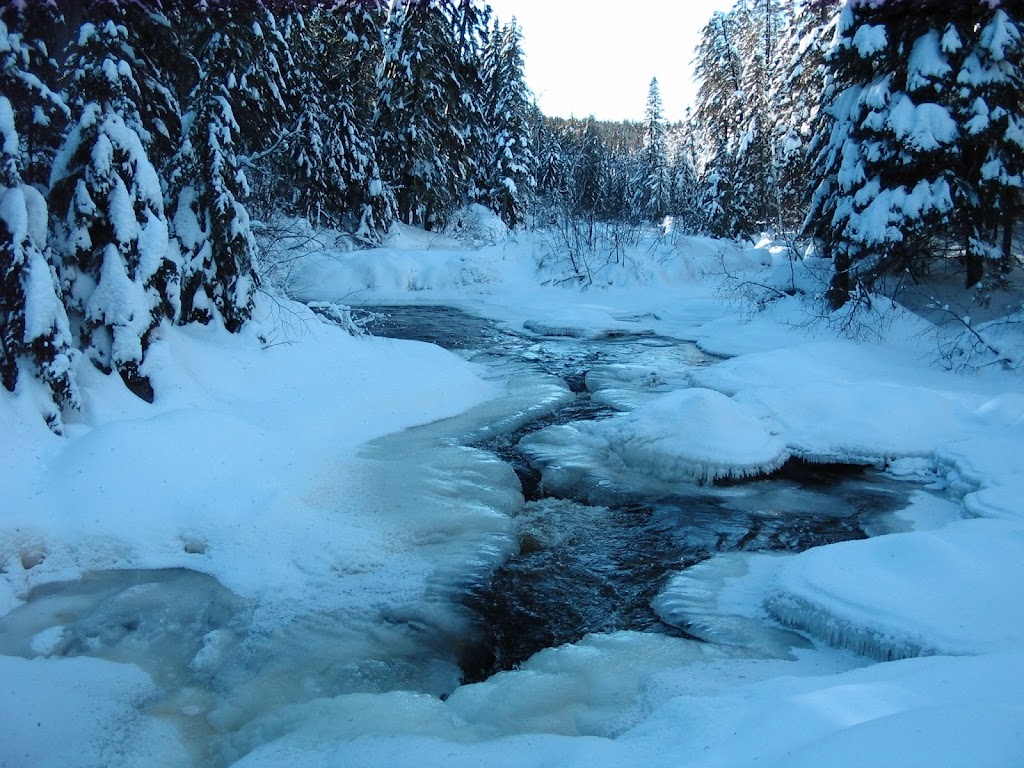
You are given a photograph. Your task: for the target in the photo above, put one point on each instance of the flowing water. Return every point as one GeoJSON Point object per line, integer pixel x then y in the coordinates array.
{"type": "Point", "coordinates": [592, 557]}
{"type": "Point", "coordinates": [587, 557]}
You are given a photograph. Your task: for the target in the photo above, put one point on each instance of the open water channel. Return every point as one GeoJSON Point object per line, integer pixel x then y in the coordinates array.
{"type": "Point", "coordinates": [593, 554]}
{"type": "Point", "coordinates": [586, 555]}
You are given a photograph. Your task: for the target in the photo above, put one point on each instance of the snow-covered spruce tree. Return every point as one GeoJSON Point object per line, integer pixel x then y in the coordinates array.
{"type": "Point", "coordinates": [365, 22]}
{"type": "Point", "coordinates": [369, 204]}
{"type": "Point", "coordinates": [801, 86]}
{"type": "Point", "coordinates": [738, 66]}
{"type": "Point", "coordinates": [587, 158]}
{"type": "Point", "coordinates": [902, 174]}
{"type": "Point", "coordinates": [41, 120]}
{"type": "Point", "coordinates": [119, 276]}
{"type": "Point", "coordinates": [652, 186]}
{"type": "Point", "coordinates": [259, 100]}
{"type": "Point", "coordinates": [717, 118]}
{"type": "Point", "coordinates": [330, 174]}
{"type": "Point", "coordinates": [550, 165]}
{"type": "Point", "coordinates": [508, 172]}
{"type": "Point", "coordinates": [986, 44]}
{"type": "Point", "coordinates": [211, 225]}
{"type": "Point", "coordinates": [755, 189]}
{"type": "Point", "coordinates": [35, 337]}
{"type": "Point", "coordinates": [469, 114]}
{"type": "Point", "coordinates": [423, 150]}
{"type": "Point", "coordinates": [685, 190]}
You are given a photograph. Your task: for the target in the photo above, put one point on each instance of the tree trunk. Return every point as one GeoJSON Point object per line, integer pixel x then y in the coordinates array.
{"type": "Point", "coordinates": [975, 269]}
{"type": "Point", "coordinates": [839, 287]}
{"type": "Point", "coordinates": [1006, 259]}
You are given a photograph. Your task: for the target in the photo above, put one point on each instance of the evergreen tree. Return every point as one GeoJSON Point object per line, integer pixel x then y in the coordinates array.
{"type": "Point", "coordinates": [423, 150]}
{"type": "Point", "coordinates": [508, 171]}
{"type": "Point", "coordinates": [801, 87]}
{"type": "Point", "coordinates": [35, 337]}
{"type": "Point", "coordinates": [685, 190]}
{"type": "Point", "coordinates": [120, 280]}
{"type": "Point", "coordinates": [469, 115]}
{"type": "Point", "coordinates": [717, 117]}
{"type": "Point", "coordinates": [365, 23]}
{"type": "Point", "coordinates": [755, 191]}
{"type": "Point", "coordinates": [41, 119]}
{"type": "Point", "coordinates": [211, 224]}
{"type": "Point", "coordinates": [987, 102]}
{"type": "Point", "coordinates": [652, 187]}
{"type": "Point", "coordinates": [330, 173]}
{"type": "Point", "coordinates": [587, 171]}
{"type": "Point", "coordinates": [916, 156]}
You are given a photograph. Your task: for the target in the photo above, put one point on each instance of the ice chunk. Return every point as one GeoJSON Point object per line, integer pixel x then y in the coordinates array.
{"type": "Point", "coordinates": [625, 387]}
{"type": "Point", "coordinates": [687, 436]}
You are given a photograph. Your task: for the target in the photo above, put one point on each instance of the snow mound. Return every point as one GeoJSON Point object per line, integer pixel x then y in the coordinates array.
{"type": "Point", "coordinates": [477, 225]}
{"type": "Point", "coordinates": [688, 436]}
{"type": "Point", "coordinates": [698, 435]}
{"type": "Point", "coordinates": [626, 387]}
{"type": "Point", "coordinates": [1001, 500]}
{"type": "Point", "coordinates": [910, 594]}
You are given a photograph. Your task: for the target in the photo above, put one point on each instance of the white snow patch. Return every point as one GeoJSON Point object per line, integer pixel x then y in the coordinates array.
{"type": "Point", "coordinates": [687, 436]}
{"type": "Point", "coordinates": [937, 610]}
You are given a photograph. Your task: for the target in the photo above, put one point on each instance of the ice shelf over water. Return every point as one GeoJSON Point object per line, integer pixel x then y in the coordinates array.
{"type": "Point", "coordinates": [687, 436]}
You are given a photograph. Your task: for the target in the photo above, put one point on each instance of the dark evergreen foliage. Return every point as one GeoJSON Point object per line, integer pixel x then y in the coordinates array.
{"type": "Point", "coordinates": [34, 333]}
{"type": "Point", "coordinates": [924, 141]}
{"type": "Point", "coordinates": [652, 186]}
{"type": "Point", "coordinates": [211, 224]}
{"type": "Point", "coordinates": [508, 162]}
{"type": "Point", "coordinates": [419, 131]}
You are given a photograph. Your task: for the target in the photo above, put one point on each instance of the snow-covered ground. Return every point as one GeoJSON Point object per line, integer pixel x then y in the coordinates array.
{"type": "Point", "coordinates": [264, 462]}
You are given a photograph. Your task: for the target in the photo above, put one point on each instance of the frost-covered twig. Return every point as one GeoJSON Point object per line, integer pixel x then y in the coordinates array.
{"type": "Point", "coordinates": [351, 320]}
{"type": "Point", "coordinates": [962, 350]}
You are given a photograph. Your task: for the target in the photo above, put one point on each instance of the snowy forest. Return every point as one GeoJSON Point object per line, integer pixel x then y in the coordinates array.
{"type": "Point", "coordinates": [145, 143]}
{"type": "Point", "coordinates": [356, 412]}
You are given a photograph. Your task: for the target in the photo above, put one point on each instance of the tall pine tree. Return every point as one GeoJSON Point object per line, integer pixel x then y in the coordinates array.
{"type": "Point", "coordinates": [119, 277]}
{"type": "Point", "coordinates": [35, 337]}
{"type": "Point", "coordinates": [240, 71]}
{"type": "Point", "coordinates": [653, 185]}
{"type": "Point", "coordinates": [924, 140]}
{"type": "Point", "coordinates": [508, 180]}
{"type": "Point", "coordinates": [419, 121]}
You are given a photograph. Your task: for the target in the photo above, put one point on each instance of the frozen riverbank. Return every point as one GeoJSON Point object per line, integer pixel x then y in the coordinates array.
{"type": "Point", "coordinates": [248, 467]}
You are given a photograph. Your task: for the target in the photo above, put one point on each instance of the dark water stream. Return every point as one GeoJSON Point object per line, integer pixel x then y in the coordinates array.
{"type": "Point", "coordinates": [592, 558]}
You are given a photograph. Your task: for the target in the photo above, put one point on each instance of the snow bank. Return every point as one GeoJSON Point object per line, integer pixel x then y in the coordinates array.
{"type": "Point", "coordinates": [825, 411]}
{"type": "Point", "coordinates": [78, 712]}
{"type": "Point", "coordinates": [244, 447]}
{"type": "Point", "coordinates": [939, 711]}
{"type": "Point", "coordinates": [942, 591]}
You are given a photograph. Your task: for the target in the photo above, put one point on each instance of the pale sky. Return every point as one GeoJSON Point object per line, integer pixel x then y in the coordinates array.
{"type": "Point", "coordinates": [597, 57]}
